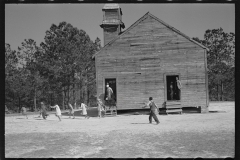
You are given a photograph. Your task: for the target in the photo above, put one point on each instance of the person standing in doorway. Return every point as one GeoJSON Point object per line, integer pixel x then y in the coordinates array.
{"type": "Point", "coordinates": [178, 89]}
{"type": "Point", "coordinates": [109, 93]}
{"type": "Point", "coordinates": [109, 96]}
{"type": "Point", "coordinates": [153, 110]}
{"type": "Point", "coordinates": [171, 91]}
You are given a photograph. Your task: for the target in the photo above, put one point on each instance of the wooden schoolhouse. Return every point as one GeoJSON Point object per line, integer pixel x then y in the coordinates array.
{"type": "Point", "coordinates": [145, 60]}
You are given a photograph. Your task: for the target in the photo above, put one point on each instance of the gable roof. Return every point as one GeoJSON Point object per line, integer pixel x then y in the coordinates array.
{"type": "Point", "coordinates": [162, 22]}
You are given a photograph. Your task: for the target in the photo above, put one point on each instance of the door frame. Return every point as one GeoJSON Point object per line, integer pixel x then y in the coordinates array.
{"type": "Point", "coordinates": [165, 84]}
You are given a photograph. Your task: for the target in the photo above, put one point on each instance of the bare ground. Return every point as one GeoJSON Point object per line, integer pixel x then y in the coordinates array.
{"type": "Point", "coordinates": [210, 135]}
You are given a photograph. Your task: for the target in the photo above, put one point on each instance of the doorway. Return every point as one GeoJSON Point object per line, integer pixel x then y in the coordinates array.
{"type": "Point", "coordinates": [173, 92]}
{"type": "Point", "coordinates": [113, 84]}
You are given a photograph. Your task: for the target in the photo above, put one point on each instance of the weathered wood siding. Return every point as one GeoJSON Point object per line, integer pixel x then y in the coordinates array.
{"type": "Point", "coordinates": [111, 14]}
{"type": "Point", "coordinates": [111, 31]}
{"type": "Point", "coordinates": [139, 60]}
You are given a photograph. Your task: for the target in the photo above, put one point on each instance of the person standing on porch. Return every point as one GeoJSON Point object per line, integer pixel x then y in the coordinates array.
{"type": "Point", "coordinates": [153, 110]}
{"type": "Point", "coordinates": [171, 91]}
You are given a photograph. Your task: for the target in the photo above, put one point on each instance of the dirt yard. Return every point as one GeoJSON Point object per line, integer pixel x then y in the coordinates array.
{"type": "Point", "coordinates": [190, 135]}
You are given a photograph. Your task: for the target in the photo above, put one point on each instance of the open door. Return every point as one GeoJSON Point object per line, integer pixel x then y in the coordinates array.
{"type": "Point", "coordinates": [172, 91]}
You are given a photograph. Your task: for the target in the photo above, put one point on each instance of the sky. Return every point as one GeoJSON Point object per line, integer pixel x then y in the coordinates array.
{"type": "Point", "coordinates": [24, 21]}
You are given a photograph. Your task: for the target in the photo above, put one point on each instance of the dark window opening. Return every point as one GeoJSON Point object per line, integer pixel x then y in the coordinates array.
{"type": "Point", "coordinates": [173, 92]}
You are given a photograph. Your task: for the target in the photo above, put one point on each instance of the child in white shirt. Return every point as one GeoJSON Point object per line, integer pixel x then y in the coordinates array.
{"type": "Point", "coordinates": [58, 111]}
{"type": "Point", "coordinates": [84, 110]}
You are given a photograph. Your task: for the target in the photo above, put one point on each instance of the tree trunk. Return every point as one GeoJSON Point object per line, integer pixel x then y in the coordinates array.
{"type": "Point", "coordinates": [80, 94]}
{"type": "Point", "coordinates": [222, 90]}
{"type": "Point", "coordinates": [51, 98]}
{"type": "Point", "coordinates": [218, 96]}
{"type": "Point", "coordinates": [19, 104]}
{"type": "Point", "coordinates": [68, 94]}
{"type": "Point", "coordinates": [84, 92]}
{"type": "Point", "coordinates": [88, 94]}
{"type": "Point", "coordinates": [65, 96]}
{"type": "Point", "coordinates": [80, 89]}
{"type": "Point", "coordinates": [85, 97]}
{"type": "Point", "coordinates": [48, 98]}
{"type": "Point", "coordinates": [35, 99]}
{"type": "Point", "coordinates": [63, 100]}
{"type": "Point", "coordinates": [87, 90]}
{"type": "Point", "coordinates": [74, 96]}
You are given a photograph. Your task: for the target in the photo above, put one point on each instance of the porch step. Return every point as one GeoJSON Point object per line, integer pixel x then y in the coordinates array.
{"type": "Point", "coordinates": [111, 111]}
{"type": "Point", "coordinates": [171, 107]}
{"type": "Point", "coordinates": [174, 110]}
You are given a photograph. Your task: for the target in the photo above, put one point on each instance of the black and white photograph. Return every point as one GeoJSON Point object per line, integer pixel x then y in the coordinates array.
{"type": "Point", "coordinates": [119, 80]}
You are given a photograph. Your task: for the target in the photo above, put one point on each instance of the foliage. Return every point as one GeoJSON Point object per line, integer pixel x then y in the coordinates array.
{"type": "Point", "coordinates": [11, 60]}
{"type": "Point", "coordinates": [28, 57]}
{"type": "Point", "coordinates": [66, 54]}
{"type": "Point", "coordinates": [53, 72]}
{"type": "Point", "coordinates": [221, 63]}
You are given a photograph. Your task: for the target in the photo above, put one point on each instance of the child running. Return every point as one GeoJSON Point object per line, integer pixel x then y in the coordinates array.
{"type": "Point", "coordinates": [24, 112]}
{"type": "Point", "coordinates": [43, 110]}
{"type": "Point", "coordinates": [58, 111]}
{"type": "Point", "coordinates": [71, 111]}
{"type": "Point", "coordinates": [84, 110]}
{"type": "Point", "coordinates": [100, 108]}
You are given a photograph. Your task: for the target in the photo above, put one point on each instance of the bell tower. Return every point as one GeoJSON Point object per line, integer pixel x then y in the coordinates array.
{"type": "Point", "coordinates": [112, 22]}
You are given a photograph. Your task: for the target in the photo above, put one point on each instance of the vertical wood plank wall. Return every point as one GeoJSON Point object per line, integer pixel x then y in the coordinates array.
{"type": "Point", "coordinates": [140, 58]}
